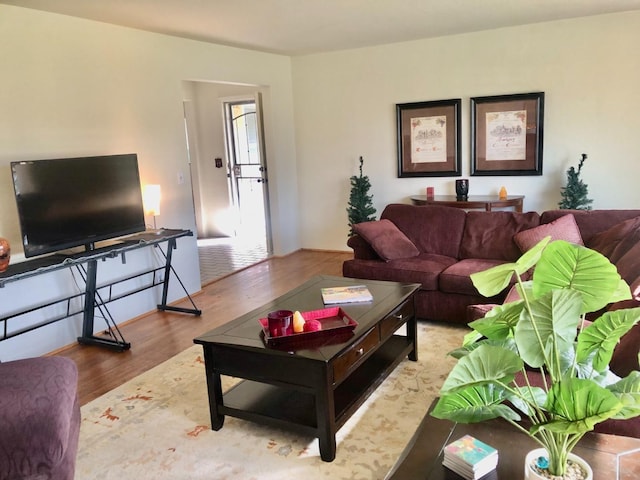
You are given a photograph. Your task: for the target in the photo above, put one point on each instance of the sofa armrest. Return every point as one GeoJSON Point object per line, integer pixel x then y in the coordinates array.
{"type": "Point", "coordinates": [39, 418]}
{"type": "Point", "coordinates": [362, 249]}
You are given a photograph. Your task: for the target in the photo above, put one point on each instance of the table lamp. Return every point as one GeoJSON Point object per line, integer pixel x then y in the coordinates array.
{"type": "Point", "coordinates": [151, 200]}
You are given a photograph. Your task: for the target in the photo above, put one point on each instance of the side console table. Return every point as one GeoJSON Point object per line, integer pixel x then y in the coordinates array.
{"type": "Point", "coordinates": [485, 202]}
{"type": "Point", "coordinates": [86, 263]}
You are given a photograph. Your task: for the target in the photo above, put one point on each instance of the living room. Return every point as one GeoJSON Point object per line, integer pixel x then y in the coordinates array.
{"type": "Point", "coordinates": [78, 87]}
{"type": "Point", "coordinates": [73, 87]}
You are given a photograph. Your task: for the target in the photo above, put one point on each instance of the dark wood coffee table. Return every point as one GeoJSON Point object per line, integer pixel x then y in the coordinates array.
{"type": "Point", "coordinates": [610, 456]}
{"type": "Point", "coordinates": [315, 387]}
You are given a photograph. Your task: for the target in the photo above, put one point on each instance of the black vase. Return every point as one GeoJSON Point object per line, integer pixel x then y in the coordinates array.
{"type": "Point", "coordinates": [462, 189]}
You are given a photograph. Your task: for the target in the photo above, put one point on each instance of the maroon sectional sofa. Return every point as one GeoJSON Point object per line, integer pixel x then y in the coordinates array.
{"type": "Point", "coordinates": [440, 247]}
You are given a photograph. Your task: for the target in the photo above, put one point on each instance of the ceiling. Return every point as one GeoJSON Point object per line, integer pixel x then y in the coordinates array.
{"type": "Point", "coordinates": [299, 27]}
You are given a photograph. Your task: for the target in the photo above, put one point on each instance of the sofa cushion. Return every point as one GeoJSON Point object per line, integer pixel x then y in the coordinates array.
{"type": "Point", "coordinates": [431, 228]}
{"type": "Point", "coordinates": [564, 228]}
{"type": "Point", "coordinates": [490, 234]}
{"type": "Point", "coordinates": [629, 265]}
{"type": "Point", "coordinates": [625, 354]}
{"type": "Point", "coordinates": [423, 269]}
{"type": "Point", "coordinates": [614, 242]}
{"type": "Point", "coordinates": [385, 238]}
{"type": "Point", "coordinates": [457, 277]}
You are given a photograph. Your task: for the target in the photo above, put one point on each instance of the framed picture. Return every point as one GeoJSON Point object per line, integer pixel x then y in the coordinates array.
{"type": "Point", "coordinates": [429, 138]}
{"type": "Point", "coordinates": [506, 134]}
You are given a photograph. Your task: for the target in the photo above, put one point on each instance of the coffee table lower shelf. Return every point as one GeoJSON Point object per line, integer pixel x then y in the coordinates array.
{"type": "Point", "coordinates": [294, 406]}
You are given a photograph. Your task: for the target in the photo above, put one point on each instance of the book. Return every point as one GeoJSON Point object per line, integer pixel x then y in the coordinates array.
{"type": "Point", "coordinates": [349, 294]}
{"type": "Point", "coordinates": [466, 473]}
{"type": "Point", "coordinates": [470, 457]}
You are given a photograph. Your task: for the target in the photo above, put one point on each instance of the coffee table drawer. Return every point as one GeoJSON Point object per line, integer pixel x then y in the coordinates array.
{"type": "Point", "coordinates": [355, 355]}
{"type": "Point", "coordinates": [396, 319]}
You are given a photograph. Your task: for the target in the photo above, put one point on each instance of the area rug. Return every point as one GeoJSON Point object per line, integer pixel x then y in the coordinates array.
{"type": "Point", "coordinates": [157, 426]}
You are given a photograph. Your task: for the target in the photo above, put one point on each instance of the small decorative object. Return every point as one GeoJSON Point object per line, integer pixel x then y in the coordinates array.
{"type": "Point", "coordinates": [429, 193]}
{"type": "Point", "coordinates": [360, 202]}
{"type": "Point", "coordinates": [545, 333]}
{"type": "Point", "coordinates": [5, 254]}
{"type": "Point", "coordinates": [298, 322]}
{"type": "Point", "coordinates": [280, 323]}
{"type": "Point", "coordinates": [574, 195]}
{"type": "Point", "coordinates": [503, 193]}
{"type": "Point", "coordinates": [542, 462]}
{"type": "Point", "coordinates": [462, 189]}
{"type": "Point", "coordinates": [312, 326]}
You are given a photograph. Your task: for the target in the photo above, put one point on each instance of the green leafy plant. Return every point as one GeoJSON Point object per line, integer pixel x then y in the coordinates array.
{"type": "Point", "coordinates": [360, 207]}
{"type": "Point", "coordinates": [546, 331]}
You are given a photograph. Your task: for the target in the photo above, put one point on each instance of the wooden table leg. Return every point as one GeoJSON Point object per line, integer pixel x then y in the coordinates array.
{"type": "Point", "coordinates": [412, 333]}
{"type": "Point", "coordinates": [214, 387]}
{"type": "Point", "coordinates": [326, 418]}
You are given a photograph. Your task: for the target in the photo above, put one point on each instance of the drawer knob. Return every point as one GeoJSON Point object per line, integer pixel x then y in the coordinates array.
{"type": "Point", "coordinates": [399, 316]}
{"type": "Point", "coordinates": [360, 351]}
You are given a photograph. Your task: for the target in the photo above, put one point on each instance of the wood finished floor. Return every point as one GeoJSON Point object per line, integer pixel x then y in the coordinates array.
{"type": "Point", "coordinates": [157, 336]}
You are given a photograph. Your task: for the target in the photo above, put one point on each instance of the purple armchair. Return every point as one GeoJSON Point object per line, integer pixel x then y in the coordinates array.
{"type": "Point", "coordinates": [39, 419]}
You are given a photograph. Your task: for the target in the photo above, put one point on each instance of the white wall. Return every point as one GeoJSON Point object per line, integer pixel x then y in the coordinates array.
{"type": "Point", "coordinates": [345, 107]}
{"type": "Point", "coordinates": [73, 87]}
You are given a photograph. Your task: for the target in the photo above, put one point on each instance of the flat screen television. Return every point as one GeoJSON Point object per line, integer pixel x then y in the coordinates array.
{"type": "Point", "coordinates": [70, 202]}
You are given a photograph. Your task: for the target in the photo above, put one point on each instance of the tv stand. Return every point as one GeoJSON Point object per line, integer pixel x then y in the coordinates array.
{"type": "Point", "coordinates": [86, 264]}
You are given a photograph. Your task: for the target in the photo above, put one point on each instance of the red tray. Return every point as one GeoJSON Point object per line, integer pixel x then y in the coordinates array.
{"type": "Point", "coordinates": [334, 321]}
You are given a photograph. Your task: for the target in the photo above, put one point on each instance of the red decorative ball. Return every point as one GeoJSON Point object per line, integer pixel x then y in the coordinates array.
{"type": "Point", "coordinates": [312, 326]}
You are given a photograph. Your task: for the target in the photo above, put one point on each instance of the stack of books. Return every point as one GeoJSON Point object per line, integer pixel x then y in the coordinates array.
{"type": "Point", "coordinates": [470, 458]}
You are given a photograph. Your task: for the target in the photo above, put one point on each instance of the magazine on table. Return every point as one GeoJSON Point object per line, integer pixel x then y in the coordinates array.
{"type": "Point", "coordinates": [348, 294]}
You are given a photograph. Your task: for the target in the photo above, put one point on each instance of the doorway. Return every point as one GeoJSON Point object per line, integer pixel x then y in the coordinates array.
{"type": "Point", "coordinates": [247, 169]}
{"type": "Point", "coordinates": [229, 176]}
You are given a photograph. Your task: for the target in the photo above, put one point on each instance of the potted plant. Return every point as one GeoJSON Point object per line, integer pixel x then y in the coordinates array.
{"type": "Point", "coordinates": [546, 332]}
{"type": "Point", "coordinates": [360, 207]}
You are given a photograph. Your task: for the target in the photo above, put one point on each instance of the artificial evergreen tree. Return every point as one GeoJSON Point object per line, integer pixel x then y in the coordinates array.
{"type": "Point", "coordinates": [360, 202]}
{"type": "Point", "coordinates": [574, 195]}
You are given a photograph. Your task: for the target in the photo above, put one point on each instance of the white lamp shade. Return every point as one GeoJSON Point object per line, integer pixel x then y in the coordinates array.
{"type": "Point", "coordinates": [151, 199]}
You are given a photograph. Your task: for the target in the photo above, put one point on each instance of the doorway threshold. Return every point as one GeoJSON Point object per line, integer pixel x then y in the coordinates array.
{"type": "Point", "coordinates": [220, 257]}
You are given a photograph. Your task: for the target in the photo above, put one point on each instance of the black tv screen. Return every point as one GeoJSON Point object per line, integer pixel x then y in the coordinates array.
{"type": "Point", "coordinates": [69, 202]}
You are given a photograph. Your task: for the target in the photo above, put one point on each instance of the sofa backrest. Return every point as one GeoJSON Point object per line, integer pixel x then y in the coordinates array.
{"type": "Point", "coordinates": [591, 222]}
{"type": "Point", "coordinates": [490, 234]}
{"type": "Point", "coordinates": [431, 228]}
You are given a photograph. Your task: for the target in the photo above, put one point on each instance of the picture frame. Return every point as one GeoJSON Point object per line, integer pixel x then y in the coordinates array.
{"type": "Point", "coordinates": [429, 138]}
{"type": "Point", "coordinates": [507, 134]}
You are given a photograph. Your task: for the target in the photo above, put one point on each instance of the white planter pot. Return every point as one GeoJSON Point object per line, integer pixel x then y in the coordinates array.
{"type": "Point", "coordinates": [530, 474]}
